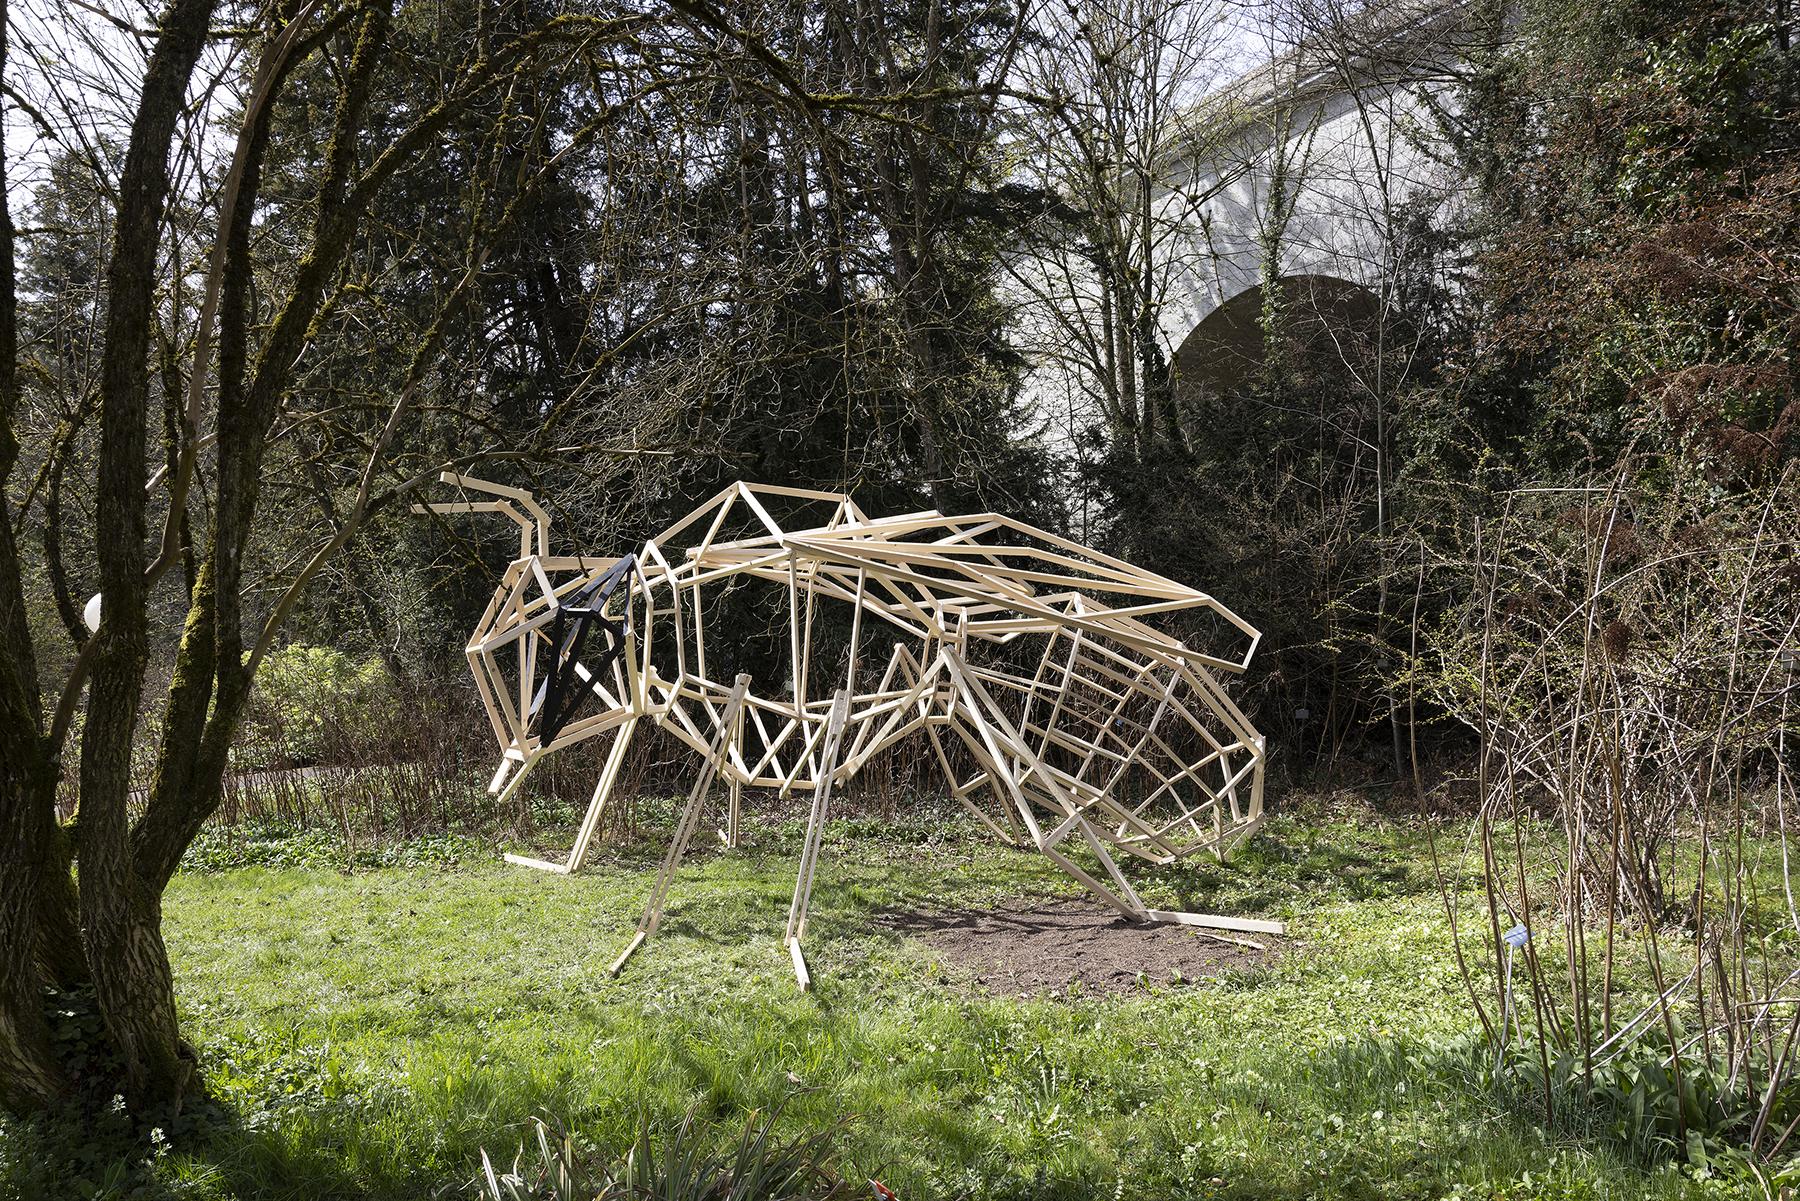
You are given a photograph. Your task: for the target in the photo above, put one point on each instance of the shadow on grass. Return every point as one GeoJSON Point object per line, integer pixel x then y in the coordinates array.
{"type": "Point", "coordinates": [207, 1150]}
{"type": "Point", "coordinates": [1295, 863]}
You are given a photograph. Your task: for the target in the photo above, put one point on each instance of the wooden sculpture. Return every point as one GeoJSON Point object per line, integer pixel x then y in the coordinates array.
{"type": "Point", "coordinates": [1026, 660]}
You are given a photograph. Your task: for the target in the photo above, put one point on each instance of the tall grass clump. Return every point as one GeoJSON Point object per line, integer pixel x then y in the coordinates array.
{"type": "Point", "coordinates": [692, 1162]}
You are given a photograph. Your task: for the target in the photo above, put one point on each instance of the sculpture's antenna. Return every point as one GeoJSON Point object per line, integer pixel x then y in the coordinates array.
{"type": "Point", "coordinates": [538, 522]}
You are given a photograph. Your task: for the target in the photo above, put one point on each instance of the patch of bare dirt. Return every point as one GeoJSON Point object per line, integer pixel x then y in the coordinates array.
{"type": "Point", "coordinates": [1029, 946]}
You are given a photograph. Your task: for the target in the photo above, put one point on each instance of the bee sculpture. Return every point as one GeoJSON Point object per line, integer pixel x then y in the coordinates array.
{"type": "Point", "coordinates": [1060, 715]}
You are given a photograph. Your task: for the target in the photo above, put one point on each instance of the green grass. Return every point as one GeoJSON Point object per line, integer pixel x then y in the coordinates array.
{"type": "Point", "coordinates": [368, 1031]}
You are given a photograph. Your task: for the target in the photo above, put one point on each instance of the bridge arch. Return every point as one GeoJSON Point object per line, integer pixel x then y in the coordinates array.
{"type": "Point", "coordinates": [1225, 350]}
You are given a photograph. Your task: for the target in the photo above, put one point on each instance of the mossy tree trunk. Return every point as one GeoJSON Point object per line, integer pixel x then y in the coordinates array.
{"type": "Point", "coordinates": [121, 913]}
{"type": "Point", "coordinates": [120, 919]}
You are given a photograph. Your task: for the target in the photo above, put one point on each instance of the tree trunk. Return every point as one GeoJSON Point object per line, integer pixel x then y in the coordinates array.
{"type": "Point", "coordinates": [120, 916]}
{"type": "Point", "coordinates": [30, 1076]}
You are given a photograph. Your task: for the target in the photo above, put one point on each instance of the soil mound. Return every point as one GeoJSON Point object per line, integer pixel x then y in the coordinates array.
{"type": "Point", "coordinates": [1029, 946]}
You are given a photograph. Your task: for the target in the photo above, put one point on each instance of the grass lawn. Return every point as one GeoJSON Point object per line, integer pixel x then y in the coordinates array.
{"type": "Point", "coordinates": [368, 1032]}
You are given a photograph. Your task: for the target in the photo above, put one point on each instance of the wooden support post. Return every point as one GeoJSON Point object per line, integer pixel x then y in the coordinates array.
{"type": "Point", "coordinates": [733, 833]}
{"type": "Point", "coordinates": [684, 831]}
{"type": "Point", "coordinates": [815, 827]}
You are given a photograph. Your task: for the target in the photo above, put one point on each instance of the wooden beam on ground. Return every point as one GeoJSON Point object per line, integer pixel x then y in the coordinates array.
{"type": "Point", "coordinates": [1214, 921]}
{"type": "Point", "coordinates": [542, 865]}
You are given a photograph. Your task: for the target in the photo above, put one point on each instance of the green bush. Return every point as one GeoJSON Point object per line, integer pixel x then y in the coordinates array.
{"type": "Point", "coordinates": [311, 701]}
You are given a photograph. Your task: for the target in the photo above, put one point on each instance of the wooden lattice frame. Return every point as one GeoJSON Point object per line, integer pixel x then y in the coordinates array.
{"type": "Point", "coordinates": [1083, 723]}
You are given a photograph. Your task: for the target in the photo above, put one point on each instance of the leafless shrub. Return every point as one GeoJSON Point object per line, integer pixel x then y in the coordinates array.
{"type": "Point", "coordinates": [1629, 664]}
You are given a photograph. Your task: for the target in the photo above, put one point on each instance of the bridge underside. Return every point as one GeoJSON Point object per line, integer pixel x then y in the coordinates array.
{"type": "Point", "coordinates": [1325, 319]}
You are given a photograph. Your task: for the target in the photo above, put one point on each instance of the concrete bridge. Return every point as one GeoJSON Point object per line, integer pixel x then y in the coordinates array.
{"type": "Point", "coordinates": [1320, 169]}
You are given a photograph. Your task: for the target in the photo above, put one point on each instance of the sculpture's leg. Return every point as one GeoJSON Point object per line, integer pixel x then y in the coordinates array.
{"type": "Point", "coordinates": [501, 788]}
{"type": "Point", "coordinates": [736, 802]}
{"type": "Point", "coordinates": [609, 775]}
{"type": "Point", "coordinates": [815, 825]}
{"type": "Point", "coordinates": [732, 833]}
{"type": "Point", "coordinates": [1126, 898]}
{"type": "Point", "coordinates": [684, 831]}
{"type": "Point", "coordinates": [1002, 746]}
{"type": "Point", "coordinates": [500, 774]}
